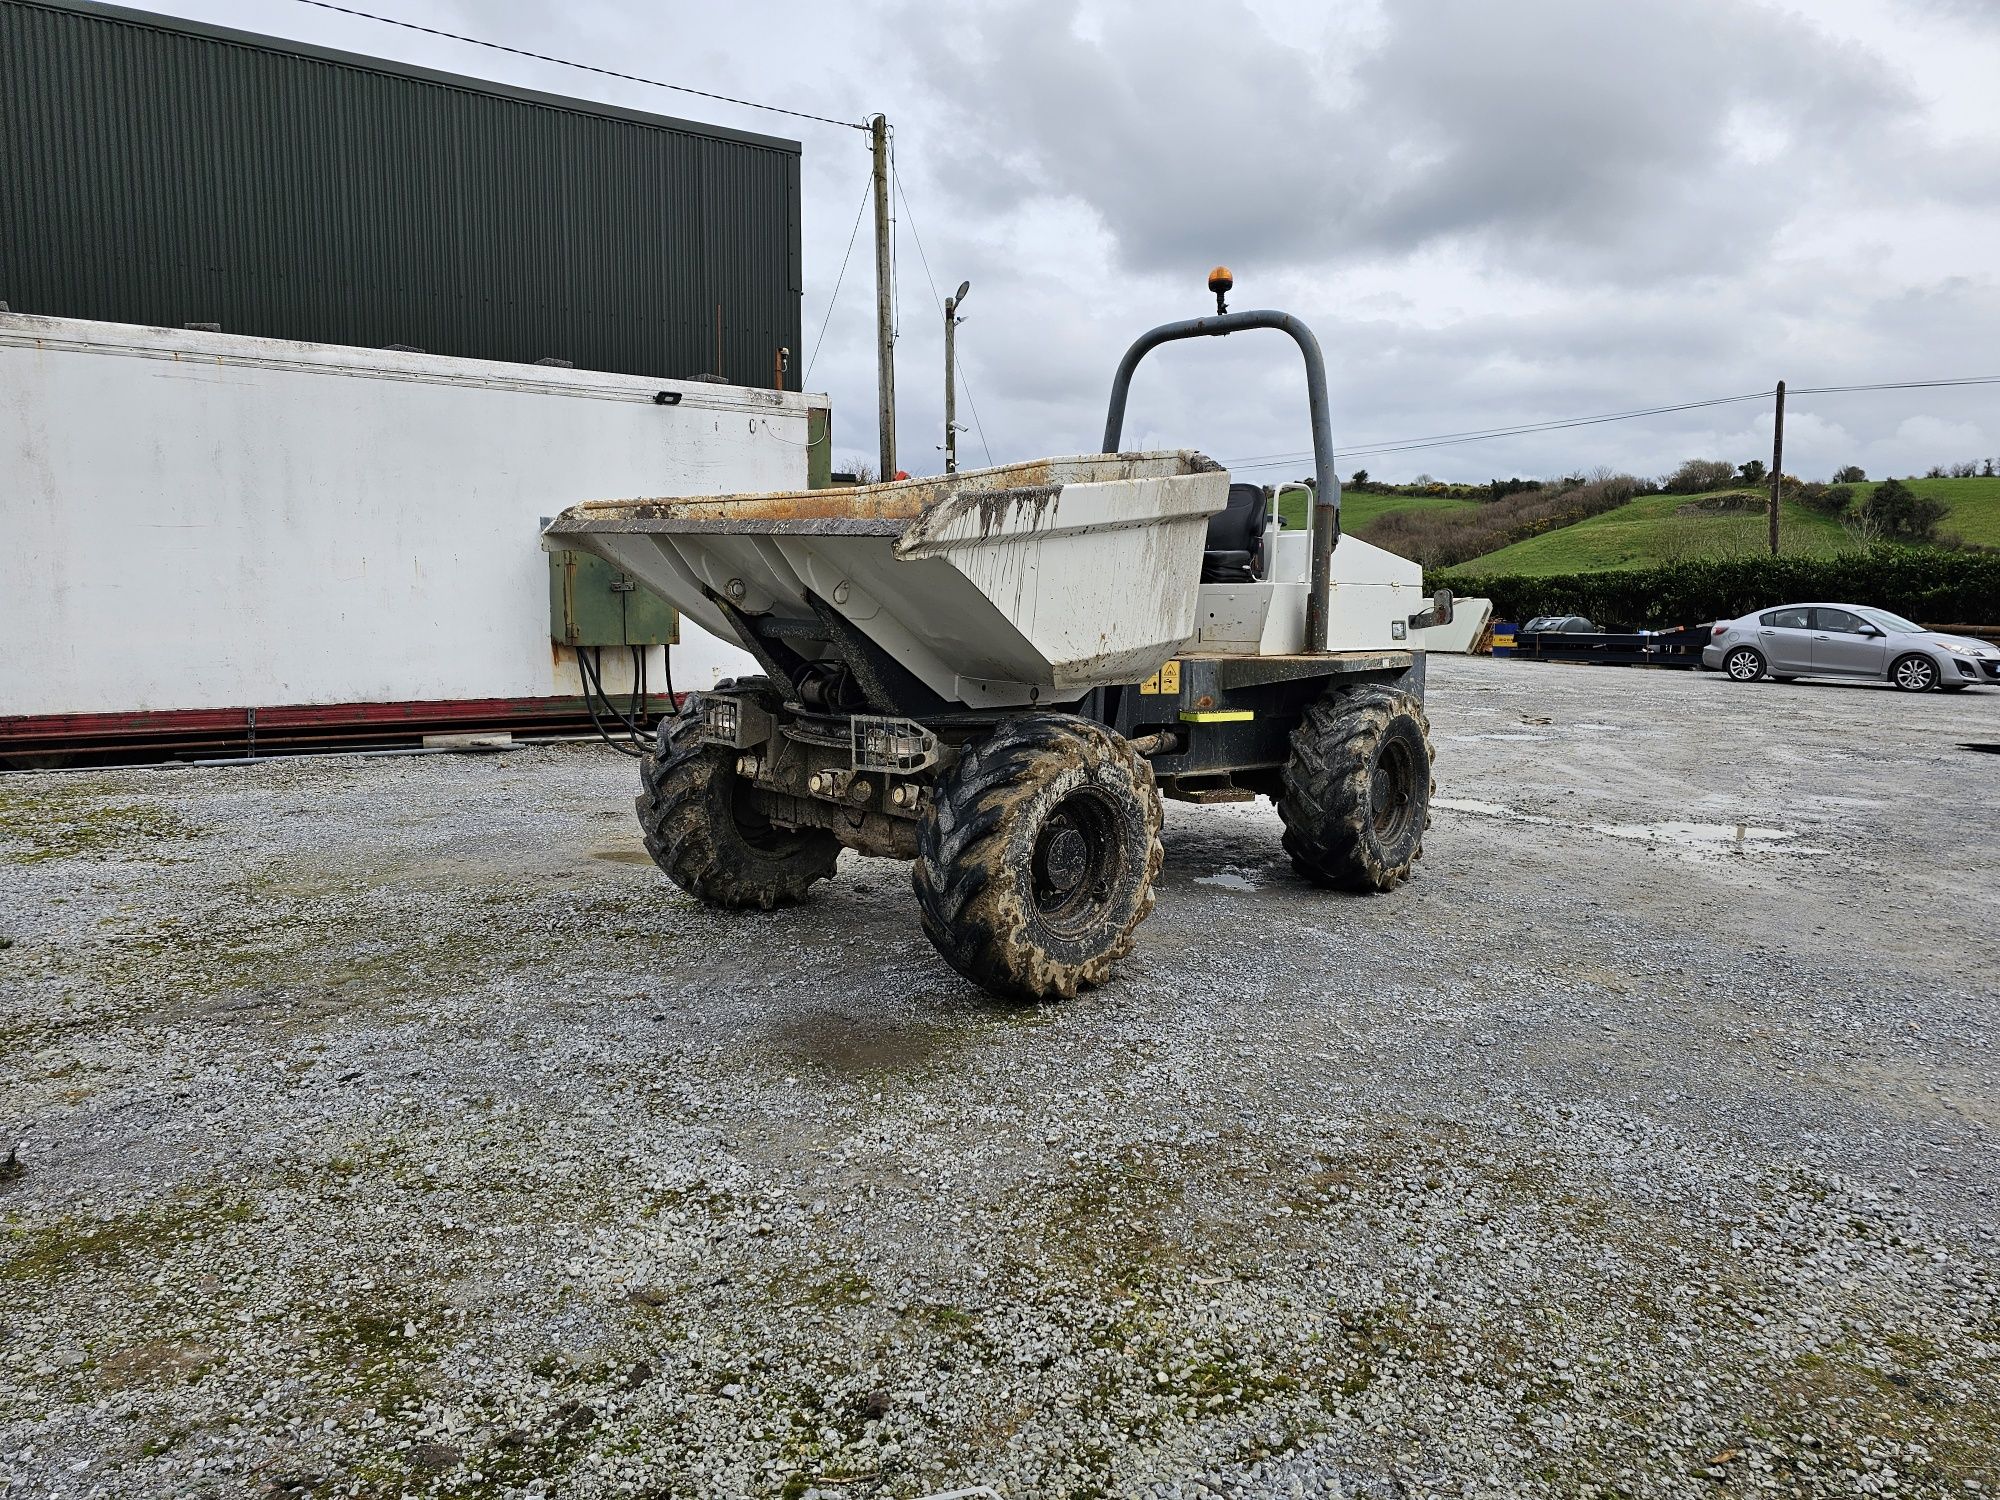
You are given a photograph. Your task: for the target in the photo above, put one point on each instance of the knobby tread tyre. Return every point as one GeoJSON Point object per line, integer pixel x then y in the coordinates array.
{"type": "Point", "coordinates": [1338, 832]}
{"type": "Point", "coordinates": [976, 873]}
{"type": "Point", "coordinates": [712, 849]}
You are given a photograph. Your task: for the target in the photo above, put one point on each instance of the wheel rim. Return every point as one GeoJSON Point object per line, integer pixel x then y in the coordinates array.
{"type": "Point", "coordinates": [1914, 672]}
{"type": "Point", "coordinates": [1076, 863]}
{"type": "Point", "coordinates": [1392, 792]}
{"type": "Point", "coordinates": [1742, 666]}
{"type": "Point", "coordinates": [756, 830]}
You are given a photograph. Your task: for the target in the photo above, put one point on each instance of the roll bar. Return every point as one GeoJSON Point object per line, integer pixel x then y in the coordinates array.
{"type": "Point", "coordinates": [1326, 494]}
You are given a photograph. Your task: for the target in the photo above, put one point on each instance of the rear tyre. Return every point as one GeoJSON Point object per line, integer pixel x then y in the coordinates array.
{"type": "Point", "coordinates": [1744, 664]}
{"type": "Point", "coordinates": [1357, 789]}
{"type": "Point", "coordinates": [1914, 673]}
{"type": "Point", "coordinates": [711, 843]}
{"type": "Point", "coordinates": [1037, 857]}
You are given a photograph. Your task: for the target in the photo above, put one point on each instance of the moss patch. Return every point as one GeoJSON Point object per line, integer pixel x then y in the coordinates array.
{"type": "Point", "coordinates": [61, 1247]}
{"type": "Point", "coordinates": [43, 821]}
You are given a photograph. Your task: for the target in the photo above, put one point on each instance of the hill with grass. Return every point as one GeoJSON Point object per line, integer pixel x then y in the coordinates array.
{"type": "Point", "coordinates": [1972, 506]}
{"type": "Point", "coordinates": [1651, 530]}
{"type": "Point", "coordinates": [1656, 529]}
{"type": "Point", "coordinates": [1361, 509]}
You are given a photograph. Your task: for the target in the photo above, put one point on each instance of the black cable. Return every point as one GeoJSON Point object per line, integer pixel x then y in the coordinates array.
{"type": "Point", "coordinates": [835, 298]}
{"type": "Point", "coordinates": [1891, 385]}
{"type": "Point", "coordinates": [911, 219]}
{"type": "Point", "coordinates": [564, 62]}
{"type": "Point", "coordinates": [610, 705]}
{"type": "Point", "coordinates": [593, 678]}
{"type": "Point", "coordinates": [638, 715]}
{"type": "Point", "coordinates": [602, 733]}
{"type": "Point", "coordinates": [1449, 439]}
{"type": "Point", "coordinates": [593, 681]}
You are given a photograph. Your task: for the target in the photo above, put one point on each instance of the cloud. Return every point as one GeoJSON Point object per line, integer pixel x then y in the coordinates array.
{"type": "Point", "coordinates": [1636, 140]}
{"type": "Point", "coordinates": [1491, 214]}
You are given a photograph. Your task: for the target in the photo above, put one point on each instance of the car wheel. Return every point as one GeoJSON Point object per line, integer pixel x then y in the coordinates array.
{"type": "Point", "coordinates": [1744, 664]}
{"type": "Point", "coordinates": [1914, 673]}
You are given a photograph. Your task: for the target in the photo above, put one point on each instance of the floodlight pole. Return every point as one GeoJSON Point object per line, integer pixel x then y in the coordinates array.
{"type": "Point", "coordinates": [951, 377]}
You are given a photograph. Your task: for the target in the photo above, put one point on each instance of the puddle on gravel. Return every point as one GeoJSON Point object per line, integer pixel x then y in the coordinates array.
{"type": "Point", "coordinates": [1716, 838]}
{"type": "Point", "coordinates": [623, 856]}
{"type": "Point", "coordinates": [863, 1044]}
{"type": "Point", "coordinates": [1487, 809]}
{"type": "Point", "coordinates": [1231, 878]}
{"type": "Point", "coordinates": [1694, 839]}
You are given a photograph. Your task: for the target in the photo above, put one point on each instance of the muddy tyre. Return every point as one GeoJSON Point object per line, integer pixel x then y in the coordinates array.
{"type": "Point", "coordinates": [711, 845]}
{"type": "Point", "coordinates": [1357, 789]}
{"type": "Point", "coordinates": [1037, 857]}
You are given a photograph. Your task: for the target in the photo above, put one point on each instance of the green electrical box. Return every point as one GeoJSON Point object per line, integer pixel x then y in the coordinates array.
{"type": "Point", "coordinates": [592, 603]}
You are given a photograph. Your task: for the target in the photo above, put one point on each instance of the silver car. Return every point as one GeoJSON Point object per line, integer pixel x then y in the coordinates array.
{"type": "Point", "coordinates": [1848, 640]}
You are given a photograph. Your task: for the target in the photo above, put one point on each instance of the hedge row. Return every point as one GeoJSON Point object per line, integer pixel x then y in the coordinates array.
{"type": "Point", "coordinates": [1933, 585]}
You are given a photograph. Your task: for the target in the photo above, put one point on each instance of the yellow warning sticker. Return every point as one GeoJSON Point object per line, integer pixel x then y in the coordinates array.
{"type": "Point", "coordinates": [1166, 680]}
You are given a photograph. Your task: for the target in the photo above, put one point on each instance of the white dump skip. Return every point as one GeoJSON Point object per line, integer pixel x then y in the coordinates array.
{"type": "Point", "coordinates": [1024, 583]}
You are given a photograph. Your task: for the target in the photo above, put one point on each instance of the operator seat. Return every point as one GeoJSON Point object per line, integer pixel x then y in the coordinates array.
{"type": "Point", "coordinates": [1235, 548]}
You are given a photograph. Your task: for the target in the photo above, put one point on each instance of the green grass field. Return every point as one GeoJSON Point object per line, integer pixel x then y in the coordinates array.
{"type": "Point", "coordinates": [1657, 529]}
{"type": "Point", "coordinates": [1358, 508]}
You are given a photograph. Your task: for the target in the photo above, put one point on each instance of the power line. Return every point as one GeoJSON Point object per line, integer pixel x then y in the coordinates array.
{"type": "Point", "coordinates": [866, 186]}
{"type": "Point", "coordinates": [679, 88]}
{"type": "Point", "coordinates": [911, 219]}
{"type": "Point", "coordinates": [1478, 435]}
{"type": "Point", "coordinates": [1891, 385]}
{"type": "Point", "coordinates": [1452, 439]}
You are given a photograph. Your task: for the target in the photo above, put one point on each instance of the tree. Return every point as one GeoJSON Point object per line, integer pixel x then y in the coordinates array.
{"type": "Point", "coordinates": [1986, 469]}
{"type": "Point", "coordinates": [1698, 476]}
{"type": "Point", "coordinates": [1852, 474]}
{"type": "Point", "coordinates": [1825, 499]}
{"type": "Point", "coordinates": [1752, 472]}
{"type": "Point", "coordinates": [1360, 478]}
{"type": "Point", "coordinates": [1962, 471]}
{"type": "Point", "coordinates": [1897, 513]}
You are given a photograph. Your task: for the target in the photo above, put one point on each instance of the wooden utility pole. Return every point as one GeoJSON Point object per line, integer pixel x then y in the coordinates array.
{"type": "Point", "coordinates": [1777, 463]}
{"type": "Point", "coordinates": [885, 300]}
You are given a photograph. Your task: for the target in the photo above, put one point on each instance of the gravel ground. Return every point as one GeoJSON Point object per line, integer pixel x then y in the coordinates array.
{"type": "Point", "coordinates": [389, 1125]}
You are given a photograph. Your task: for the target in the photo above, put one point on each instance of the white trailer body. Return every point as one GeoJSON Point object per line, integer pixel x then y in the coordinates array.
{"type": "Point", "coordinates": [203, 521]}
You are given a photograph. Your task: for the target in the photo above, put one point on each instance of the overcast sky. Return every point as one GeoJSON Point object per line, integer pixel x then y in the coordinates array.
{"type": "Point", "coordinates": [1491, 214]}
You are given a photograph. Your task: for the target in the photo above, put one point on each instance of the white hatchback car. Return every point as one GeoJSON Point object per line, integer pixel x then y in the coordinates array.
{"type": "Point", "coordinates": [1848, 640]}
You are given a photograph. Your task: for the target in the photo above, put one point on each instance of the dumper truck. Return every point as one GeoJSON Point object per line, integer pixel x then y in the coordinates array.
{"type": "Point", "coordinates": [997, 674]}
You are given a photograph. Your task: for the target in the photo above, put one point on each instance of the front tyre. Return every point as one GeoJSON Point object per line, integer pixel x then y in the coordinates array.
{"type": "Point", "coordinates": [703, 833]}
{"type": "Point", "coordinates": [1744, 664]}
{"type": "Point", "coordinates": [1914, 673]}
{"type": "Point", "coordinates": [1037, 857]}
{"type": "Point", "coordinates": [1357, 789]}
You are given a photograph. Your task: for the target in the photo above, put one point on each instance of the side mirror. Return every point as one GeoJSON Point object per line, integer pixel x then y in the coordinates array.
{"type": "Point", "coordinates": [1438, 614]}
{"type": "Point", "coordinates": [1871, 630]}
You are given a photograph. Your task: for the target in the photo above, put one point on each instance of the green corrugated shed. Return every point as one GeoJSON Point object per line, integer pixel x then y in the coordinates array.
{"type": "Point", "coordinates": [165, 172]}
